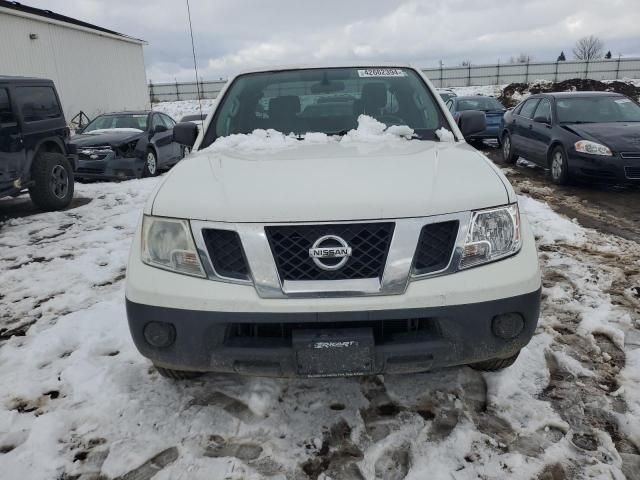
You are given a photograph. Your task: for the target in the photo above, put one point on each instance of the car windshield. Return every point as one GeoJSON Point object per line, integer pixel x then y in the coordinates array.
{"type": "Point", "coordinates": [137, 121]}
{"type": "Point", "coordinates": [601, 109]}
{"type": "Point", "coordinates": [478, 103]}
{"type": "Point", "coordinates": [326, 100]}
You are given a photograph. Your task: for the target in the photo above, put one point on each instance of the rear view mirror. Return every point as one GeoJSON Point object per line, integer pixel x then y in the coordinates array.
{"type": "Point", "coordinates": [185, 133]}
{"type": "Point", "coordinates": [472, 121]}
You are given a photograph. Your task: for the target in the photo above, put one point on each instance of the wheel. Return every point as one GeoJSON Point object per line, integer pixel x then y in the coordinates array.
{"type": "Point", "coordinates": [150, 168]}
{"type": "Point", "coordinates": [53, 181]}
{"type": "Point", "coordinates": [495, 364]}
{"type": "Point", "coordinates": [507, 149]}
{"type": "Point", "coordinates": [559, 169]}
{"type": "Point", "coordinates": [177, 374]}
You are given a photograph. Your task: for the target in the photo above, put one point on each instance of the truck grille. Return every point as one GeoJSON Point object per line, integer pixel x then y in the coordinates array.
{"type": "Point", "coordinates": [226, 253]}
{"type": "Point", "coordinates": [369, 242]}
{"type": "Point", "coordinates": [435, 247]}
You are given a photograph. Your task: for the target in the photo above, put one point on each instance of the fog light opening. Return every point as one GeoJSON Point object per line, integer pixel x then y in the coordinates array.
{"type": "Point", "coordinates": [159, 334]}
{"type": "Point", "coordinates": [507, 325]}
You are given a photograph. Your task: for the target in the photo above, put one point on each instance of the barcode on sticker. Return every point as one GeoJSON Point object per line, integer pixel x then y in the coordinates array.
{"type": "Point", "coordinates": [381, 72]}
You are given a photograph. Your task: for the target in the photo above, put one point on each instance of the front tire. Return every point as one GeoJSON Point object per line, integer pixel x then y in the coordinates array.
{"type": "Point", "coordinates": [559, 168]}
{"type": "Point", "coordinates": [53, 181]}
{"type": "Point", "coordinates": [495, 364]}
{"type": "Point", "coordinates": [150, 168]}
{"type": "Point", "coordinates": [177, 374]}
{"type": "Point", "coordinates": [507, 149]}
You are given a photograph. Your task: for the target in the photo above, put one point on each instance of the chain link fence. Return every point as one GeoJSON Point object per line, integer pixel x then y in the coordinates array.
{"type": "Point", "coordinates": [470, 75]}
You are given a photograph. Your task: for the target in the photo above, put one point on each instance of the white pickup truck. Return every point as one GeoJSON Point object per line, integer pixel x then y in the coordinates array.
{"type": "Point", "coordinates": [332, 221]}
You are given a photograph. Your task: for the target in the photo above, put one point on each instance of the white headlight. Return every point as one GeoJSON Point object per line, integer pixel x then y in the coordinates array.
{"type": "Point", "coordinates": [167, 243]}
{"type": "Point", "coordinates": [493, 234]}
{"type": "Point", "coordinates": [585, 146]}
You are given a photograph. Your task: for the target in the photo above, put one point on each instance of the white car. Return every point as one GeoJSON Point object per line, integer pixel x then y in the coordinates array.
{"type": "Point", "coordinates": [366, 238]}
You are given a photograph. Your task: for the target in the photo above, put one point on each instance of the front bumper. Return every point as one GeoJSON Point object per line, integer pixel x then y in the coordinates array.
{"type": "Point", "coordinates": [457, 311]}
{"type": "Point", "coordinates": [214, 341]}
{"type": "Point", "coordinates": [111, 167]}
{"type": "Point", "coordinates": [598, 168]}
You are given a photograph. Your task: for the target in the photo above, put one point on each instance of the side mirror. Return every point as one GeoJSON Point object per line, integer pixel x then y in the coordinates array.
{"type": "Point", "coordinates": [185, 133]}
{"type": "Point", "coordinates": [471, 121]}
{"type": "Point", "coordinates": [541, 119]}
{"type": "Point", "coordinates": [160, 129]}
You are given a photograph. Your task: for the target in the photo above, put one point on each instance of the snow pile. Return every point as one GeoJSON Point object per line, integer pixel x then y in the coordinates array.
{"type": "Point", "coordinates": [445, 135]}
{"type": "Point", "coordinates": [179, 109]}
{"type": "Point", "coordinates": [372, 131]}
{"type": "Point", "coordinates": [369, 131]}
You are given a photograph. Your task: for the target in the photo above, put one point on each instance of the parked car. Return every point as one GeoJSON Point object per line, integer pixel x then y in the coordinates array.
{"type": "Point", "coordinates": [126, 145]}
{"type": "Point", "coordinates": [34, 149]}
{"type": "Point", "coordinates": [593, 135]}
{"type": "Point", "coordinates": [332, 258]}
{"type": "Point", "coordinates": [446, 93]}
{"type": "Point", "coordinates": [492, 108]}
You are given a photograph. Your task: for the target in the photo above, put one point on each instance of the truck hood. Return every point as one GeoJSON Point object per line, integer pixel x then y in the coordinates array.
{"type": "Point", "coordinates": [331, 182]}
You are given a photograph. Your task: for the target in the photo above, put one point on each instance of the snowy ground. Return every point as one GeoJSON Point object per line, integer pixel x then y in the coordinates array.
{"type": "Point", "coordinates": [177, 110]}
{"type": "Point", "coordinates": [79, 402]}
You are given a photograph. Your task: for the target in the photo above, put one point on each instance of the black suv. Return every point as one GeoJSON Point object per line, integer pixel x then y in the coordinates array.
{"type": "Point", "coordinates": [34, 149]}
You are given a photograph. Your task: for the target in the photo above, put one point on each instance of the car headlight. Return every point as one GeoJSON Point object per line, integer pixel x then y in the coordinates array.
{"type": "Point", "coordinates": [586, 146]}
{"type": "Point", "coordinates": [128, 149]}
{"type": "Point", "coordinates": [492, 234]}
{"type": "Point", "coordinates": [167, 243]}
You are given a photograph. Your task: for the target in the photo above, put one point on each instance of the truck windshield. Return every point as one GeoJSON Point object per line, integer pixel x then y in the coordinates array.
{"type": "Point", "coordinates": [326, 100]}
{"type": "Point", "coordinates": [604, 109]}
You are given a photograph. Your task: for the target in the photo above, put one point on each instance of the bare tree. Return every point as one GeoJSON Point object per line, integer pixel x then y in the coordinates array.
{"type": "Point", "coordinates": [588, 48]}
{"type": "Point", "coordinates": [521, 58]}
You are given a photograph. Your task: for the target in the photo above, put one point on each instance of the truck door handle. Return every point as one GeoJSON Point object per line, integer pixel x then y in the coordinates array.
{"type": "Point", "coordinates": [530, 127]}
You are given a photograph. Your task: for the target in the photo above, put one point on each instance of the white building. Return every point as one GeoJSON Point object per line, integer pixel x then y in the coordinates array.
{"type": "Point", "coordinates": [95, 70]}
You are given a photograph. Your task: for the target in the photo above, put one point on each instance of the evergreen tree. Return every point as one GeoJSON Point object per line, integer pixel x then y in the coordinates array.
{"type": "Point", "coordinates": [608, 55]}
{"type": "Point", "coordinates": [561, 58]}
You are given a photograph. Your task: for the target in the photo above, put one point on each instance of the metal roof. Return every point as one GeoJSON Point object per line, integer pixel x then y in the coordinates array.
{"type": "Point", "coordinates": [48, 14]}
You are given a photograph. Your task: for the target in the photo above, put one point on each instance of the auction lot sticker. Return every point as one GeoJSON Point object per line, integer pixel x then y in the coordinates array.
{"type": "Point", "coordinates": [381, 72]}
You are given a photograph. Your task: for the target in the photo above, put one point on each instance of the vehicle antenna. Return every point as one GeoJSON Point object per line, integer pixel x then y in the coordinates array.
{"type": "Point", "coordinates": [195, 65]}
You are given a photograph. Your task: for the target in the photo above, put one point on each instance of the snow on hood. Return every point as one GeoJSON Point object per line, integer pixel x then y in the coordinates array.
{"type": "Point", "coordinates": [372, 172]}
{"type": "Point", "coordinates": [369, 131]}
{"type": "Point", "coordinates": [100, 131]}
{"type": "Point", "coordinates": [445, 135]}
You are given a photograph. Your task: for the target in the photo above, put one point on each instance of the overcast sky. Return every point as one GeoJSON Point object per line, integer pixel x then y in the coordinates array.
{"type": "Point", "coordinates": [233, 35]}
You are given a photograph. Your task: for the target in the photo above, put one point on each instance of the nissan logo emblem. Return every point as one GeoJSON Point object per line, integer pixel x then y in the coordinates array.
{"type": "Point", "coordinates": [326, 249]}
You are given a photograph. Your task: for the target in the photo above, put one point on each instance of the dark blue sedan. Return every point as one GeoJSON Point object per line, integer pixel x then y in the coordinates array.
{"type": "Point", "coordinates": [491, 107]}
{"type": "Point", "coordinates": [593, 135]}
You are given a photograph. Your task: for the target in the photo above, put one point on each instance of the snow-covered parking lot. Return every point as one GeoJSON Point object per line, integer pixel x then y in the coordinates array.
{"type": "Point", "coordinates": [77, 401]}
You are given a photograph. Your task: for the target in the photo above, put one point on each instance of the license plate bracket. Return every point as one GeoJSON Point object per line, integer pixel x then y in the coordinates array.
{"type": "Point", "coordinates": [337, 352]}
